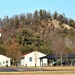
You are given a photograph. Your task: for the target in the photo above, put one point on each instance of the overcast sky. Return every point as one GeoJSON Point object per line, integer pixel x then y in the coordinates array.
{"type": "Point", "coordinates": [15, 7]}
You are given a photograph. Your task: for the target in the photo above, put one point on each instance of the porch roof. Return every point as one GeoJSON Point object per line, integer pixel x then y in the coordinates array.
{"type": "Point", "coordinates": [51, 56]}
{"type": "Point", "coordinates": [54, 56]}
{"type": "Point", "coordinates": [71, 56]}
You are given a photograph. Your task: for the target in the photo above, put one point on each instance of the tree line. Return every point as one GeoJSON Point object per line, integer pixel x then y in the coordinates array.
{"type": "Point", "coordinates": [35, 18]}
{"type": "Point", "coordinates": [28, 32]}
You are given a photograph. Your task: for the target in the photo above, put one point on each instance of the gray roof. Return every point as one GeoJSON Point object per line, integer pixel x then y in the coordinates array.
{"type": "Point", "coordinates": [54, 56]}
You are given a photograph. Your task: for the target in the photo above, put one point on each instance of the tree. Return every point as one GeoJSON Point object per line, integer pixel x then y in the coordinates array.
{"type": "Point", "coordinates": [41, 14]}
{"type": "Point", "coordinates": [2, 50]}
{"type": "Point", "coordinates": [29, 40]}
{"type": "Point", "coordinates": [29, 18]}
{"type": "Point", "coordinates": [47, 49]}
{"type": "Point", "coordinates": [58, 45]}
{"type": "Point", "coordinates": [23, 19]}
{"type": "Point", "coordinates": [1, 41]}
{"type": "Point", "coordinates": [17, 23]}
{"type": "Point", "coordinates": [55, 15]}
{"type": "Point", "coordinates": [28, 48]}
{"type": "Point", "coordinates": [48, 16]}
{"type": "Point", "coordinates": [36, 15]}
{"type": "Point", "coordinates": [13, 51]}
{"type": "Point", "coordinates": [72, 23]}
{"type": "Point", "coordinates": [61, 18]}
{"type": "Point", "coordinates": [8, 41]}
{"type": "Point", "coordinates": [26, 36]}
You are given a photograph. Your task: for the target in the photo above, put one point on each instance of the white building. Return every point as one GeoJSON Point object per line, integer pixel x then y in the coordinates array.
{"type": "Point", "coordinates": [33, 59]}
{"type": "Point", "coordinates": [4, 61]}
{"type": "Point", "coordinates": [0, 34]}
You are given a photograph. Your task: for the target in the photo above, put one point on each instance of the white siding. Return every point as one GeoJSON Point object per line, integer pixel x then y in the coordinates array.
{"type": "Point", "coordinates": [4, 60]}
{"type": "Point", "coordinates": [0, 34]}
{"type": "Point", "coordinates": [35, 59]}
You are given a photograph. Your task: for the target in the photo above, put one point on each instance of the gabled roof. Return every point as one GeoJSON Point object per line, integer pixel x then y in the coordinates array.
{"type": "Point", "coordinates": [31, 52]}
{"type": "Point", "coordinates": [4, 56]}
{"type": "Point", "coordinates": [25, 55]}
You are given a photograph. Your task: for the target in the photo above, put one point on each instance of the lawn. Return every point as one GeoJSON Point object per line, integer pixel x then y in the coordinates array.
{"type": "Point", "coordinates": [39, 73]}
{"type": "Point", "coordinates": [68, 70]}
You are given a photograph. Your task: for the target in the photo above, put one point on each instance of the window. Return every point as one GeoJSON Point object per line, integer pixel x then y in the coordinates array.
{"type": "Point", "coordinates": [30, 59]}
{"type": "Point", "coordinates": [0, 63]}
{"type": "Point", "coordinates": [6, 61]}
{"type": "Point", "coordinates": [22, 57]}
{"type": "Point", "coordinates": [3, 62]}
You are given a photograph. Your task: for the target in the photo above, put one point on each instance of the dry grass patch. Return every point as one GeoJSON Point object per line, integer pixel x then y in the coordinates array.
{"type": "Point", "coordinates": [38, 73]}
{"type": "Point", "coordinates": [59, 68]}
{"type": "Point", "coordinates": [66, 70]}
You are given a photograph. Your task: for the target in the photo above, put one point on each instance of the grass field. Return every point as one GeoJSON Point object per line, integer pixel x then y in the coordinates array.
{"type": "Point", "coordinates": [59, 71]}
{"type": "Point", "coordinates": [39, 73]}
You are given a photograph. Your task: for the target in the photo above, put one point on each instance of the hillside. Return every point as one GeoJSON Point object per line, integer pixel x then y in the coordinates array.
{"type": "Point", "coordinates": [42, 31]}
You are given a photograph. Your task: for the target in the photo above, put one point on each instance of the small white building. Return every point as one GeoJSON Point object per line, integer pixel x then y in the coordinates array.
{"type": "Point", "coordinates": [0, 34]}
{"type": "Point", "coordinates": [4, 61]}
{"type": "Point", "coordinates": [33, 59]}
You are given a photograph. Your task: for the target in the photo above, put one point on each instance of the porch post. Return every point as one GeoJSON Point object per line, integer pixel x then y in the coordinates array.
{"type": "Point", "coordinates": [40, 61]}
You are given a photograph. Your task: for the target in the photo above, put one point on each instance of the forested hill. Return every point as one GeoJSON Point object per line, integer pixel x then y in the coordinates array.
{"type": "Point", "coordinates": [41, 31]}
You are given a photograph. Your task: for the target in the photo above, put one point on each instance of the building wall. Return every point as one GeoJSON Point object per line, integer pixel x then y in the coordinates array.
{"type": "Point", "coordinates": [4, 61]}
{"type": "Point", "coordinates": [0, 34]}
{"type": "Point", "coordinates": [32, 59]}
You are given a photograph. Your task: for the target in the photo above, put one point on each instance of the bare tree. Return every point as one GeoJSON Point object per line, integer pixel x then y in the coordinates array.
{"type": "Point", "coordinates": [58, 45]}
